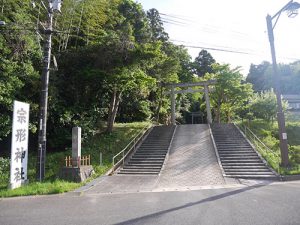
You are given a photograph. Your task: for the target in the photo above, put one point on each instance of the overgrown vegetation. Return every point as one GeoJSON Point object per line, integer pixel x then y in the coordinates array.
{"type": "Point", "coordinates": [267, 131]}
{"type": "Point", "coordinates": [107, 144]}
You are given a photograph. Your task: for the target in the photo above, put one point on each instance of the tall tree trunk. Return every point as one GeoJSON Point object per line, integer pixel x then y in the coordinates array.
{"type": "Point", "coordinates": [69, 31]}
{"type": "Point", "coordinates": [2, 7]}
{"type": "Point", "coordinates": [218, 113]}
{"type": "Point", "coordinates": [228, 117]}
{"type": "Point", "coordinates": [78, 28]}
{"type": "Point", "coordinates": [113, 109]}
{"type": "Point", "coordinates": [159, 104]}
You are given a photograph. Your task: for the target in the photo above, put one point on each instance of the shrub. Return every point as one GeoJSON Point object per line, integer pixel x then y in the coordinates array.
{"type": "Point", "coordinates": [295, 154]}
{"type": "Point", "coordinates": [4, 170]}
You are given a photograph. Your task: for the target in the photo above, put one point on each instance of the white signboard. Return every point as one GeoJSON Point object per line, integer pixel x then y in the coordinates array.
{"type": "Point", "coordinates": [19, 145]}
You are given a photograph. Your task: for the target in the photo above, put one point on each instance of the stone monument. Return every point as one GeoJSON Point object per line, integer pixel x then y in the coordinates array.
{"type": "Point", "coordinates": [74, 170]}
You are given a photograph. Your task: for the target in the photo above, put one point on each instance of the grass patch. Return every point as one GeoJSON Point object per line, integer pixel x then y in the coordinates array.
{"type": "Point", "coordinates": [107, 144]}
{"type": "Point", "coordinates": [268, 134]}
{"type": "Point", "coordinates": [37, 188]}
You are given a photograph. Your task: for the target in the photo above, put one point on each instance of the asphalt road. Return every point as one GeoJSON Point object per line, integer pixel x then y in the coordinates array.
{"type": "Point", "coordinates": [274, 203]}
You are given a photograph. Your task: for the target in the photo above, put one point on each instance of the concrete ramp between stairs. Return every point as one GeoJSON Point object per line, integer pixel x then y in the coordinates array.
{"type": "Point", "coordinates": [192, 160]}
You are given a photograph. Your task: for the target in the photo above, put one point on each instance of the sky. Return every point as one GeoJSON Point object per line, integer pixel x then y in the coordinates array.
{"type": "Point", "coordinates": [235, 28]}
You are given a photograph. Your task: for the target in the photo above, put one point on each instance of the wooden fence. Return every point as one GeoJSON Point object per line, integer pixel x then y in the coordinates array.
{"type": "Point", "coordinates": [77, 161]}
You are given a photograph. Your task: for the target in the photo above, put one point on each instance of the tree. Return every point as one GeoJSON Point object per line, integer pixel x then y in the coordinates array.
{"type": "Point", "coordinates": [203, 63]}
{"type": "Point", "coordinates": [230, 94]}
{"type": "Point", "coordinates": [263, 105]}
{"type": "Point", "coordinates": [156, 25]}
{"type": "Point", "coordinates": [259, 77]}
{"type": "Point", "coordinates": [20, 55]}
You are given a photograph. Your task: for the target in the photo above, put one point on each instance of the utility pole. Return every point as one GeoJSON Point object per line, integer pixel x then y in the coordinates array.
{"type": "Point", "coordinates": [291, 7]}
{"type": "Point", "coordinates": [41, 158]}
{"type": "Point", "coordinates": [280, 114]}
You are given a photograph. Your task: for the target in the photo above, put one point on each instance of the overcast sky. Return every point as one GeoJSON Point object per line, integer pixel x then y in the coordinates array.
{"type": "Point", "coordinates": [230, 26]}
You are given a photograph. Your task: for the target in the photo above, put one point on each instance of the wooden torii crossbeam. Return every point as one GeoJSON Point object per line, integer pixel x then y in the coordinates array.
{"type": "Point", "coordinates": [204, 84]}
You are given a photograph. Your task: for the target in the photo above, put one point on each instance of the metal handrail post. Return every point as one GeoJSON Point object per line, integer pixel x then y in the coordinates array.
{"type": "Point", "coordinates": [123, 157]}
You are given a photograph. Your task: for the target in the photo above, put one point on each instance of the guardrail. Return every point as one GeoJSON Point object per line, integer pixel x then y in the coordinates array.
{"type": "Point", "coordinates": [272, 157]}
{"type": "Point", "coordinates": [131, 146]}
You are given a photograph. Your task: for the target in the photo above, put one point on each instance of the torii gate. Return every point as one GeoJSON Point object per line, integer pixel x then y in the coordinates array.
{"type": "Point", "coordinates": [204, 84]}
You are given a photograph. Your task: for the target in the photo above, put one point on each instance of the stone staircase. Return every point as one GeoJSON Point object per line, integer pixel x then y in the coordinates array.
{"type": "Point", "coordinates": [149, 158]}
{"type": "Point", "coordinates": [237, 156]}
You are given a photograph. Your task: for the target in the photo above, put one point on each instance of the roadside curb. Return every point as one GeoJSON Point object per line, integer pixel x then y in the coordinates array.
{"type": "Point", "coordinates": [290, 177]}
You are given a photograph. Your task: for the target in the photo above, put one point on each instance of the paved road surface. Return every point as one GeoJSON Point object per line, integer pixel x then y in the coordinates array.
{"type": "Point", "coordinates": [276, 203]}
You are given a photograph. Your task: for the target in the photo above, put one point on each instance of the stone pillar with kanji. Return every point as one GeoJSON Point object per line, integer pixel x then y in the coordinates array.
{"type": "Point", "coordinates": [76, 146]}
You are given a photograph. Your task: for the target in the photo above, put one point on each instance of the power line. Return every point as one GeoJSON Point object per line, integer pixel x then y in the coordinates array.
{"type": "Point", "coordinates": [207, 28]}
{"type": "Point", "coordinates": [228, 50]}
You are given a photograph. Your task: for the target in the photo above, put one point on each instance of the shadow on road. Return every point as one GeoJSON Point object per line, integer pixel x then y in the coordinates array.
{"type": "Point", "coordinates": [143, 219]}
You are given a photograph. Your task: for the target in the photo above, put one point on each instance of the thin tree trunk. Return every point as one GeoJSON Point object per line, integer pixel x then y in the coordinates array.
{"type": "Point", "coordinates": [69, 31]}
{"type": "Point", "coordinates": [228, 117]}
{"type": "Point", "coordinates": [159, 104]}
{"type": "Point", "coordinates": [78, 28]}
{"type": "Point", "coordinates": [218, 113]}
{"type": "Point", "coordinates": [113, 109]}
{"type": "Point", "coordinates": [2, 7]}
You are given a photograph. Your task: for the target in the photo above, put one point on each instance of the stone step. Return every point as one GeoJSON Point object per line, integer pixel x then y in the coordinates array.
{"type": "Point", "coordinates": [147, 142]}
{"type": "Point", "coordinates": [164, 147]}
{"type": "Point", "coordinates": [142, 167]}
{"type": "Point", "coordinates": [246, 170]}
{"type": "Point", "coordinates": [237, 154]}
{"type": "Point", "coordinates": [144, 159]}
{"type": "Point", "coordinates": [224, 164]}
{"type": "Point", "coordinates": [228, 138]}
{"type": "Point", "coordinates": [244, 167]}
{"type": "Point", "coordinates": [240, 160]}
{"type": "Point", "coordinates": [256, 176]}
{"type": "Point", "coordinates": [144, 162]}
{"type": "Point", "coordinates": [138, 155]}
{"type": "Point", "coordinates": [147, 158]}
{"type": "Point", "coordinates": [158, 139]}
{"type": "Point", "coordinates": [229, 144]}
{"type": "Point", "coordinates": [249, 173]}
{"type": "Point", "coordinates": [227, 134]}
{"type": "Point", "coordinates": [154, 147]}
{"type": "Point", "coordinates": [154, 151]}
{"type": "Point", "coordinates": [236, 151]}
{"type": "Point", "coordinates": [233, 145]}
{"type": "Point", "coordinates": [138, 172]}
{"type": "Point", "coordinates": [233, 150]}
{"type": "Point", "coordinates": [229, 157]}
{"type": "Point", "coordinates": [149, 154]}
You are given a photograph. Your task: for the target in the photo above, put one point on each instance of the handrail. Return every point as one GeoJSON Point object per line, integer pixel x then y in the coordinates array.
{"type": "Point", "coordinates": [263, 148]}
{"type": "Point", "coordinates": [131, 145]}
{"type": "Point", "coordinates": [177, 122]}
{"type": "Point", "coordinates": [257, 138]}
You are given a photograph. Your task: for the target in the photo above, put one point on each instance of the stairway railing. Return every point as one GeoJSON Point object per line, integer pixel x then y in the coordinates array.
{"type": "Point", "coordinates": [272, 157]}
{"type": "Point", "coordinates": [131, 146]}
